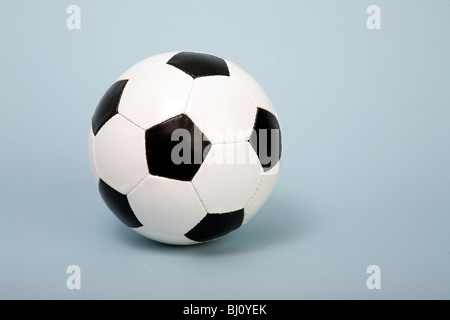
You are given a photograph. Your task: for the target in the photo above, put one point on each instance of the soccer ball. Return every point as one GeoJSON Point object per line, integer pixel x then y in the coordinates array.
{"type": "Point", "coordinates": [185, 147]}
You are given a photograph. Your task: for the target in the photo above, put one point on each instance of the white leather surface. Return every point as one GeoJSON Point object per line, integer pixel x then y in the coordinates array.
{"type": "Point", "coordinates": [169, 238]}
{"type": "Point", "coordinates": [146, 63]}
{"type": "Point", "coordinates": [166, 205]}
{"type": "Point", "coordinates": [119, 149]}
{"type": "Point", "coordinates": [155, 95]}
{"type": "Point", "coordinates": [220, 104]}
{"type": "Point", "coordinates": [262, 194]}
{"type": "Point", "coordinates": [225, 187]}
{"type": "Point", "coordinates": [92, 156]}
{"type": "Point", "coordinates": [252, 86]}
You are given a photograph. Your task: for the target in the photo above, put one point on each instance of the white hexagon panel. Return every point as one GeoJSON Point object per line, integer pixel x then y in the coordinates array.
{"type": "Point", "coordinates": [151, 206]}
{"type": "Point", "coordinates": [119, 151]}
{"type": "Point", "coordinates": [228, 178]}
{"type": "Point", "coordinates": [222, 109]}
{"type": "Point", "coordinates": [149, 62]}
{"type": "Point", "coordinates": [252, 87]}
{"type": "Point", "coordinates": [155, 95]}
{"type": "Point", "coordinates": [263, 192]}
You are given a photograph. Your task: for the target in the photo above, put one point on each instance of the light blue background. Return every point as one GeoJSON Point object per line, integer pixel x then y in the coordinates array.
{"type": "Point", "coordinates": [365, 117]}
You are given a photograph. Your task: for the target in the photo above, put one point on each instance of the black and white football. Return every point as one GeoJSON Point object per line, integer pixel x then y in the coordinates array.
{"type": "Point", "coordinates": [185, 147]}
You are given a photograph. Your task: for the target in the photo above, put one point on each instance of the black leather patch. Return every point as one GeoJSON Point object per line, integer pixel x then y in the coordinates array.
{"type": "Point", "coordinates": [108, 105]}
{"type": "Point", "coordinates": [266, 139]}
{"type": "Point", "coordinates": [119, 205]}
{"type": "Point", "coordinates": [199, 64]}
{"type": "Point", "coordinates": [176, 155]}
{"type": "Point", "coordinates": [216, 225]}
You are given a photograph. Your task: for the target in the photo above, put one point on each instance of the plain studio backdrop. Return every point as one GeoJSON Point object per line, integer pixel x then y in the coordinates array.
{"type": "Point", "coordinates": [365, 179]}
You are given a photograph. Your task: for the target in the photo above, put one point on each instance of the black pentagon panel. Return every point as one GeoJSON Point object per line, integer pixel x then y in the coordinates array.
{"type": "Point", "coordinates": [119, 205]}
{"type": "Point", "coordinates": [175, 148]}
{"type": "Point", "coordinates": [216, 225]}
{"type": "Point", "coordinates": [199, 64]}
{"type": "Point", "coordinates": [108, 105]}
{"type": "Point", "coordinates": [266, 139]}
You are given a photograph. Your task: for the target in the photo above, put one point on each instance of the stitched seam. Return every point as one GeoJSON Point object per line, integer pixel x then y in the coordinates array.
{"type": "Point", "coordinates": [94, 160]}
{"type": "Point", "coordinates": [246, 90]}
{"type": "Point", "coordinates": [260, 183]}
{"type": "Point", "coordinates": [247, 159]}
{"type": "Point", "coordinates": [138, 184]}
{"type": "Point", "coordinates": [230, 142]}
{"type": "Point", "coordinates": [199, 199]}
{"type": "Point", "coordinates": [254, 194]}
{"type": "Point", "coordinates": [189, 97]}
{"type": "Point", "coordinates": [168, 233]}
{"type": "Point", "coordinates": [130, 121]}
{"type": "Point", "coordinates": [226, 143]}
{"type": "Point", "coordinates": [140, 181]}
{"type": "Point", "coordinates": [145, 69]}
